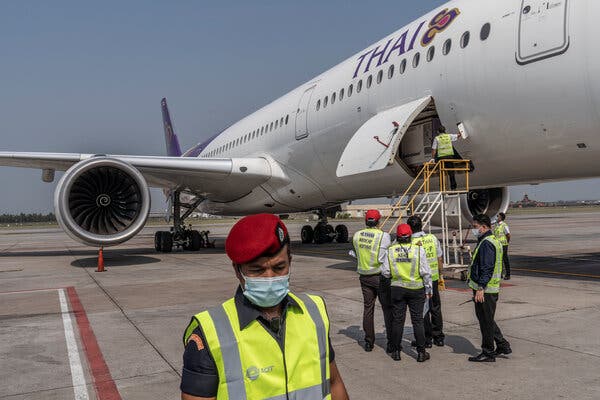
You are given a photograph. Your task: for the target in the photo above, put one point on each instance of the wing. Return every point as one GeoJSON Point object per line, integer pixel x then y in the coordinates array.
{"type": "Point", "coordinates": [220, 180]}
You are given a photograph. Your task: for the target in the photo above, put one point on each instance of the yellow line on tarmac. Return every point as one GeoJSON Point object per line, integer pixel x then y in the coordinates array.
{"type": "Point", "coordinates": [543, 271]}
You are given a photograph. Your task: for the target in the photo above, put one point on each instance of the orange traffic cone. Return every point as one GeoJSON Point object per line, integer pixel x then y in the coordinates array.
{"type": "Point", "coordinates": [100, 261]}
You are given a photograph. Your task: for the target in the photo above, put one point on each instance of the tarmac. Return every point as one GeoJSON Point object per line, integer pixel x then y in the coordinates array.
{"type": "Point", "coordinates": [68, 332]}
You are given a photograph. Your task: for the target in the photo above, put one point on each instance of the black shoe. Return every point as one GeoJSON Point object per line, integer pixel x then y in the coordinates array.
{"type": "Point", "coordinates": [483, 358]}
{"type": "Point", "coordinates": [368, 346]}
{"type": "Point", "coordinates": [396, 355]}
{"type": "Point", "coordinates": [503, 350]}
{"type": "Point", "coordinates": [507, 278]}
{"type": "Point", "coordinates": [423, 356]}
{"type": "Point", "coordinates": [439, 342]}
{"type": "Point", "coordinates": [428, 344]}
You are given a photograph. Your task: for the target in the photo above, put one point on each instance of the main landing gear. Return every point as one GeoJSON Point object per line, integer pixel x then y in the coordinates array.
{"type": "Point", "coordinates": [323, 232]}
{"type": "Point", "coordinates": [179, 234]}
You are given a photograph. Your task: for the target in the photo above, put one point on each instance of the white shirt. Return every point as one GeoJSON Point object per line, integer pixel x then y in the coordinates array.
{"type": "Point", "coordinates": [383, 248]}
{"type": "Point", "coordinates": [424, 270]}
{"type": "Point", "coordinates": [453, 138]}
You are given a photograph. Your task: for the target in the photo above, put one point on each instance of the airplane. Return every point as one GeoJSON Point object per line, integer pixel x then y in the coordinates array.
{"type": "Point", "coordinates": [521, 77]}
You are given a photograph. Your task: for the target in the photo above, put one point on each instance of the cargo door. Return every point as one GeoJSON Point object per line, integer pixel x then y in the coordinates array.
{"type": "Point", "coordinates": [375, 144]}
{"type": "Point", "coordinates": [543, 30]}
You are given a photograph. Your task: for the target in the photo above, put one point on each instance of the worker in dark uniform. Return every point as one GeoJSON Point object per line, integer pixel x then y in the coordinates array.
{"type": "Point", "coordinates": [434, 323]}
{"type": "Point", "coordinates": [265, 342]}
{"type": "Point", "coordinates": [410, 286]}
{"type": "Point", "coordinates": [502, 233]}
{"type": "Point", "coordinates": [484, 278]}
{"type": "Point", "coordinates": [370, 246]}
{"type": "Point", "coordinates": [442, 149]}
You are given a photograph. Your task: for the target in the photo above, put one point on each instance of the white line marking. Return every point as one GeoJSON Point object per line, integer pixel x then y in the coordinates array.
{"type": "Point", "coordinates": [79, 385]}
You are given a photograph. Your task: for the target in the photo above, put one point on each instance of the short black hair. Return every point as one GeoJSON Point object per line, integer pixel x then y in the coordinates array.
{"type": "Point", "coordinates": [441, 129]}
{"type": "Point", "coordinates": [483, 219]}
{"type": "Point", "coordinates": [371, 223]}
{"type": "Point", "coordinates": [415, 223]}
{"type": "Point", "coordinates": [502, 215]}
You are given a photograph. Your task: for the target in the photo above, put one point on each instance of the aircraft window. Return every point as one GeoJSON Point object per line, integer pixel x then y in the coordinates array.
{"type": "Point", "coordinates": [391, 71]}
{"type": "Point", "coordinates": [447, 46]}
{"type": "Point", "coordinates": [271, 127]}
{"type": "Point", "coordinates": [379, 76]}
{"type": "Point", "coordinates": [237, 142]}
{"type": "Point", "coordinates": [325, 100]}
{"type": "Point", "coordinates": [341, 94]}
{"type": "Point", "coordinates": [281, 122]}
{"type": "Point", "coordinates": [350, 88]}
{"type": "Point", "coordinates": [262, 130]}
{"type": "Point", "coordinates": [359, 86]}
{"type": "Point", "coordinates": [464, 40]}
{"type": "Point", "coordinates": [402, 67]}
{"type": "Point", "coordinates": [430, 53]}
{"type": "Point", "coordinates": [276, 124]}
{"type": "Point", "coordinates": [318, 104]}
{"type": "Point", "coordinates": [369, 81]}
{"type": "Point", "coordinates": [287, 117]}
{"type": "Point", "coordinates": [333, 98]}
{"type": "Point", "coordinates": [416, 59]}
{"type": "Point", "coordinates": [485, 31]}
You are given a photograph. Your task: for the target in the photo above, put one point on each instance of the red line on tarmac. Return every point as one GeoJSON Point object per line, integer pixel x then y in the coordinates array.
{"type": "Point", "coordinates": [105, 386]}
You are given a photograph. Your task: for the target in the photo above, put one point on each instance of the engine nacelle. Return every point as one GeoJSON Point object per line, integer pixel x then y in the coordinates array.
{"type": "Point", "coordinates": [102, 201]}
{"type": "Point", "coordinates": [479, 201]}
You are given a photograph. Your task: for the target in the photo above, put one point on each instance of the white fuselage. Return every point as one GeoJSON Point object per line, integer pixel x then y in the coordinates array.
{"type": "Point", "coordinates": [527, 122]}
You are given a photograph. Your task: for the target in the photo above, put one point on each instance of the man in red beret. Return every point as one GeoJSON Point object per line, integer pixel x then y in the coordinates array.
{"type": "Point", "coordinates": [370, 246]}
{"type": "Point", "coordinates": [411, 286]}
{"type": "Point", "coordinates": [265, 342]}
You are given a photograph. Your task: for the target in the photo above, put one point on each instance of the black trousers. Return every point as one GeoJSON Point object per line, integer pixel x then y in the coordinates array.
{"type": "Point", "coordinates": [451, 174]}
{"type": "Point", "coordinates": [434, 323]}
{"type": "Point", "coordinates": [375, 286]}
{"type": "Point", "coordinates": [415, 300]}
{"type": "Point", "coordinates": [490, 333]}
{"type": "Point", "coordinates": [505, 262]}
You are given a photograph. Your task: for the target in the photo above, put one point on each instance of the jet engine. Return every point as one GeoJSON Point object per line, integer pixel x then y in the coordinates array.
{"type": "Point", "coordinates": [489, 201]}
{"type": "Point", "coordinates": [102, 201]}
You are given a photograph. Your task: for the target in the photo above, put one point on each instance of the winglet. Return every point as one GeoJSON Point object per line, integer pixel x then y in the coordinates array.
{"type": "Point", "coordinates": [173, 148]}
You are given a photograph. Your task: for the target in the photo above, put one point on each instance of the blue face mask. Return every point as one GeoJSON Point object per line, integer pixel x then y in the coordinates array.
{"type": "Point", "coordinates": [475, 232]}
{"type": "Point", "coordinates": [266, 292]}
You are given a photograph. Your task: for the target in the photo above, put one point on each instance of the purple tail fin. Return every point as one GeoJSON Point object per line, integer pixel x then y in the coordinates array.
{"type": "Point", "coordinates": [173, 149]}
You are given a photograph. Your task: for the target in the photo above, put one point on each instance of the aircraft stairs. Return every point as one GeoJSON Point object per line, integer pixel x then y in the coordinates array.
{"type": "Point", "coordinates": [429, 195]}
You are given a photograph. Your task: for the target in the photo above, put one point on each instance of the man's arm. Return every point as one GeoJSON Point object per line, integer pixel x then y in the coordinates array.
{"type": "Point", "coordinates": [383, 254]}
{"type": "Point", "coordinates": [338, 389]}
{"type": "Point", "coordinates": [425, 271]}
{"type": "Point", "coordinates": [507, 233]}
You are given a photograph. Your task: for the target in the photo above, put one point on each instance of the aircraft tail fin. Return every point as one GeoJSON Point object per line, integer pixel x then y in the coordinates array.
{"type": "Point", "coordinates": [173, 148]}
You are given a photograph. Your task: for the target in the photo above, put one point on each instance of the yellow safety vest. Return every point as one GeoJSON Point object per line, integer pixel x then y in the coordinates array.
{"type": "Point", "coordinates": [429, 243]}
{"type": "Point", "coordinates": [367, 243]}
{"type": "Point", "coordinates": [404, 262]}
{"type": "Point", "coordinates": [444, 147]}
{"type": "Point", "coordinates": [493, 285]}
{"type": "Point", "coordinates": [500, 233]}
{"type": "Point", "coordinates": [250, 362]}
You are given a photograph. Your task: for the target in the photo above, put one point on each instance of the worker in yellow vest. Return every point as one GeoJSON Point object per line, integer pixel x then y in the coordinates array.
{"type": "Point", "coordinates": [265, 342]}
{"type": "Point", "coordinates": [442, 149]}
{"type": "Point", "coordinates": [410, 286]}
{"type": "Point", "coordinates": [502, 233]}
{"type": "Point", "coordinates": [434, 324]}
{"type": "Point", "coordinates": [484, 277]}
{"type": "Point", "coordinates": [370, 246]}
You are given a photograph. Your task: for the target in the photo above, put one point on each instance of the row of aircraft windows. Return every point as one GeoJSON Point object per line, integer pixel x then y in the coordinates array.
{"type": "Point", "coordinates": [249, 136]}
{"type": "Point", "coordinates": [446, 48]}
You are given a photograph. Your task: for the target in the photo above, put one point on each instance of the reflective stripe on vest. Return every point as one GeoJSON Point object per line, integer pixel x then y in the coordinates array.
{"type": "Point", "coordinates": [444, 147]}
{"type": "Point", "coordinates": [429, 243]}
{"type": "Point", "coordinates": [500, 233]}
{"type": "Point", "coordinates": [250, 362]}
{"type": "Point", "coordinates": [367, 243]}
{"type": "Point", "coordinates": [493, 285]}
{"type": "Point", "coordinates": [404, 266]}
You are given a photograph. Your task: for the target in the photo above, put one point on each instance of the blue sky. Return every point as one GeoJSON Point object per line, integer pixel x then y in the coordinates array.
{"type": "Point", "coordinates": [88, 76]}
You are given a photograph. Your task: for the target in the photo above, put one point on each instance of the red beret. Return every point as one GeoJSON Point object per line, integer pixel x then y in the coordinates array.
{"type": "Point", "coordinates": [255, 236]}
{"type": "Point", "coordinates": [372, 215]}
{"type": "Point", "coordinates": [403, 230]}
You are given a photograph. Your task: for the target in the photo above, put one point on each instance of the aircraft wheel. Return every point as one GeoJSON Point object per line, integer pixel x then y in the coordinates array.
{"type": "Point", "coordinates": [307, 234]}
{"type": "Point", "coordinates": [321, 234]}
{"type": "Point", "coordinates": [166, 242]}
{"type": "Point", "coordinates": [330, 233]}
{"type": "Point", "coordinates": [195, 240]}
{"type": "Point", "coordinates": [157, 242]}
{"type": "Point", "coordinates": [341, 234]}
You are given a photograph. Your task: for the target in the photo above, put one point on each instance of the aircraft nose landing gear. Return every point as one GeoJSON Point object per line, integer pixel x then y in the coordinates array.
{"type": "Point", "coordinates": [323, 232]}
